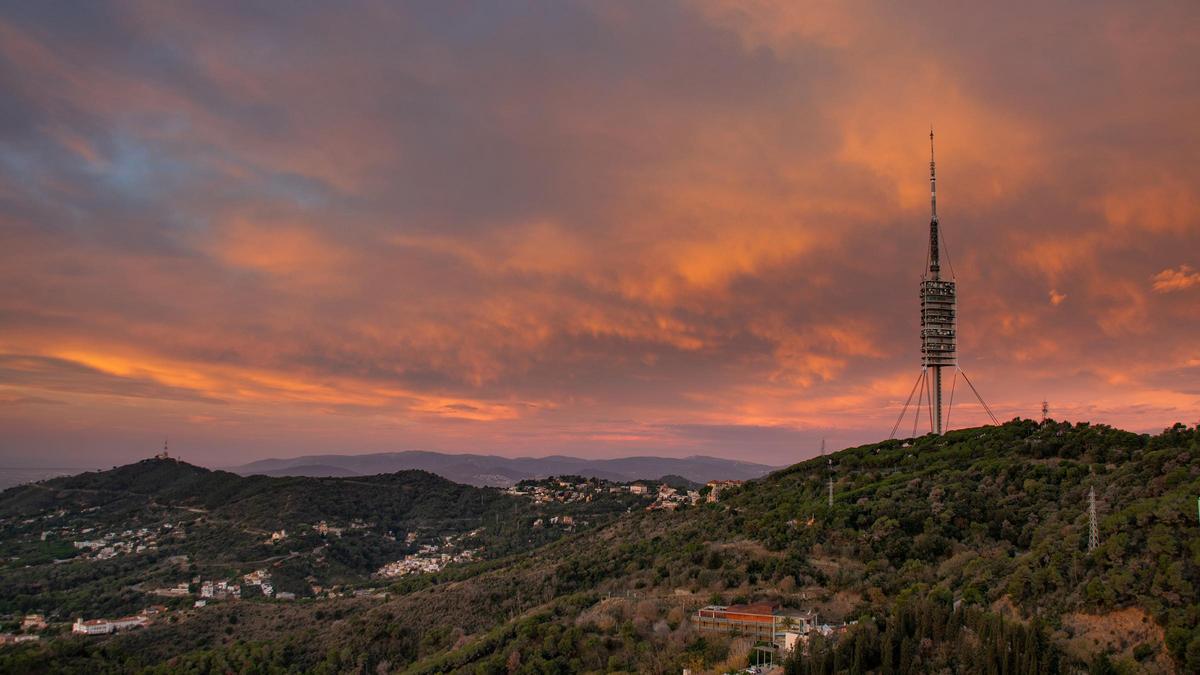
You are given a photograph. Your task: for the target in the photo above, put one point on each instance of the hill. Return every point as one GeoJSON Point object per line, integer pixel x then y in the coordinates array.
{"type": "Point", "coordinates": [93, 542]}
{"type": "Point", "coordinates": [966, 552]}
{"type": "Point", "coordinates": [492, 470]}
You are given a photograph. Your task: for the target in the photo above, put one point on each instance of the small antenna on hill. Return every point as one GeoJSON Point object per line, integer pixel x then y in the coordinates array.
{"type": "Point", "coordinates": [1045, 411]}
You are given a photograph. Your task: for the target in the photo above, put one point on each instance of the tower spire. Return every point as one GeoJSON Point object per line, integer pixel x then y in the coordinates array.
{"type": "Point", "coordinates": [934, 266]}
{"type": "Point", "coordinates": [932, 178]}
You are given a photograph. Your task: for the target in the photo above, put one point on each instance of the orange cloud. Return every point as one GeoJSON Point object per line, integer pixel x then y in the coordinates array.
{"type": "Point", "coordinates": [1177, 279]}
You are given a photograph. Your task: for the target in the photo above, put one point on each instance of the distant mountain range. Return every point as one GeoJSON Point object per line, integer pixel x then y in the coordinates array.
{"type": "Point", "coordinates": [492, 470]}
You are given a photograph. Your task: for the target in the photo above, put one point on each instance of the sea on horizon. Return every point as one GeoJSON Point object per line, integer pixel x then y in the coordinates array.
{"type": "Point", "coordinates": [14, 476]}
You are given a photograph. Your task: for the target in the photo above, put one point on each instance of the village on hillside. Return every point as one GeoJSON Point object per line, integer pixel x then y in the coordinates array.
{"type": "Point", "coordinates": [660, 495]}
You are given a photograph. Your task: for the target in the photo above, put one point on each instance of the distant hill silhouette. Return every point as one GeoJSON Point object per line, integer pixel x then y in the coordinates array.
{"type": "Point", "coordinates": [258, 501]}
{"type": "Point", "coordinates": [492, 470]}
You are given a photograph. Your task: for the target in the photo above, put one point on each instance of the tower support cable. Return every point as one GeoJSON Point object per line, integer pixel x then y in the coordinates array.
{"type": "Point", "coordinates": [917, 417]}
{"type": "Point", "coordinates": [950, 408]}
{"type": "Point", "coordinates": [983, 403]}
{"type": "Point", "coordinates": [930, 387]}
{"type": "Point", "coordinates": [907, 402]}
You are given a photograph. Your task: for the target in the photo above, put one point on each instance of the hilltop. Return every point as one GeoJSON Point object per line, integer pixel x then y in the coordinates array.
{"type": "Point", "coordinates": [259, 502]}
{"type": "Point", "coordinates": [965, 551]}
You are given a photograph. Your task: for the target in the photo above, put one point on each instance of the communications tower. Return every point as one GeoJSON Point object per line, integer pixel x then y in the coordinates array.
{"type": "Point", "coordinates": [939, 326]}
{"type": "Point", "coordinates": [938, 307]}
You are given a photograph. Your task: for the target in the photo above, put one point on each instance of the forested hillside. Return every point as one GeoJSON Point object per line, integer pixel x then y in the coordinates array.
{"type": "Point", "coordinates": [198, 522]}
{"type": "Point", "coordinates": [967, 551]}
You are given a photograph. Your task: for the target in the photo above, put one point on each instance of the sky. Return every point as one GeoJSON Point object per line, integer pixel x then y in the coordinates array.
{"type": "Point", "coordinates": [597, 229]}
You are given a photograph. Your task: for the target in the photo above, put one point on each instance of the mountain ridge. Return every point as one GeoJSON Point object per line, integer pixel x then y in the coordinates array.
{"type": "Point", "coordinates": [498, 471]}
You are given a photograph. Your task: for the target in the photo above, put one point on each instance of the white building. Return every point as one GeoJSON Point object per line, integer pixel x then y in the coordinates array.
{"type": "Point", "coordinates": [106, 626]}
{"type": "Point", "coordinates": [92, 627]}
{"type": "Point", "coordinates": [128, 622]}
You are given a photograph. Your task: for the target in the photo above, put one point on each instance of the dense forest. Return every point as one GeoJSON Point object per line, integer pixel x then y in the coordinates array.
{"type": "Point", "coordinates": [966, 552]}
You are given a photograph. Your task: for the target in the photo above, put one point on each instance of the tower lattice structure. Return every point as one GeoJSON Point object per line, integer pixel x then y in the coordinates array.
{"type": "Point", "coordinates": [1093, 527]}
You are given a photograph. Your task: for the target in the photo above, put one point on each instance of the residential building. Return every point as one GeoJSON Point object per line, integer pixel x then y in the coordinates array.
{"type": "Point", "coordinates": [717, 486]}
{"type": "Point", "coordinates": [761, 620]}
{"type": "Point", "coordinates": [106, 626]}
{"type": "Point", "coordinates": [92, 627]}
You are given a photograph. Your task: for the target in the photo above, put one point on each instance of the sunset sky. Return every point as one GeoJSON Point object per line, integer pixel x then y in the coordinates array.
{"type": "Point", "coordinates": [598, 229]}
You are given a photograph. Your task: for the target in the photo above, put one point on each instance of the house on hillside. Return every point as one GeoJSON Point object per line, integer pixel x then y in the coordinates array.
{"type": "Point", "coordinates": [715, 487]}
